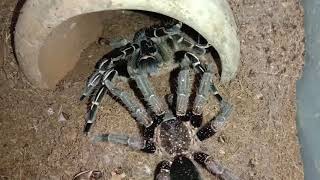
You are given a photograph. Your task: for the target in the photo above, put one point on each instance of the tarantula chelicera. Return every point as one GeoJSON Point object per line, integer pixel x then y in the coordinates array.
{"type": "Point", "coordinates": [174, 128]}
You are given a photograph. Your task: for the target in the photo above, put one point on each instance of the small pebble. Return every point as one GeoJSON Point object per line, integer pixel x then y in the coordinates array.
{"type": "Point", "coordinates": [222, 152]}
{"type": "Point", "coordinates": [259, 96]}
{"type": "Point", "coordinates": [222, 139]}
{"type": "Point", "coordinates": [252, 162]}
{"type": "Point", "coordinates": [61, 118]}
{"type": "Point", "coordinates": [50, 111]}
{"type": "Point", "coordinates": [103, 42]}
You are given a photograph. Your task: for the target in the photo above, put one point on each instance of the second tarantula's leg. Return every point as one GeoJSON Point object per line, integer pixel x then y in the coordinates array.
{"type": "Point", "coordinates": [149, 95]}
{"type": "Point", "coordinates": [133, 142]}
{"type": "Point", "coordinates": [214, 167]}
{"type": "Point", "coordinates": [183, 89]}
{"type": "Point", "coordinates": [164, 171]}
{"type": "Point", "coordinates": [138, 112]}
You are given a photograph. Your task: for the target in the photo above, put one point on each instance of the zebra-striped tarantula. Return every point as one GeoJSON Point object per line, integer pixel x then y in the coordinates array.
{"type": "Point", "coordinates": [172, 129]}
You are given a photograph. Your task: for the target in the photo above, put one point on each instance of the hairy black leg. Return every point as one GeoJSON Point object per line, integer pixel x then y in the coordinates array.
{"type": "Point", "coordinates": [206, 78]}
{"type": "Point", "coordinates": [213, 166]}
{"type": "Point", "coordinates": [194, 114]}
{"type": "Point", "coordinates": [158, 32]}
{"type": "Point", "coordinates": [181, 43]}
{"type": "Point", "coordinates": [183, 90]}
{"type": "Point", "coordinates": [163, 171]}
{"type": "Point", "coordinates": [92, 111]}
{"type": "Point", "coordinates": [137, 111]}
{"type": "Point", "coordinates": [139, 143]}
{"type": "Point", "coordinates": [115, 55]}
{"type": "Point", "coordinates": [105, 63]}
{"type": "Point", "coordinates": [216, 123]}
{"type": "Point", "coordinates": [203, 91]}
{"type": "Point", "coordinates": [196, 63]}
{"type": "Point", "coordinates": [148, 93]}
{"type": "Point", "coordinates": [91, 85]}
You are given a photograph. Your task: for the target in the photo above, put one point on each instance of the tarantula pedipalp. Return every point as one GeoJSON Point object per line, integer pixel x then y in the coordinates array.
{"type": "Point", "coordinates": [173, 130]}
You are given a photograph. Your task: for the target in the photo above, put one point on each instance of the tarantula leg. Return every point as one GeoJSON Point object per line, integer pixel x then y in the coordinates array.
{"type": "Point", "coordinates": [203, 91]}
{"type": "Point", "coordinates": [183, 90]}
{"type": "Point", "coordinates": [179, 42]}
{"type": "Point", "coordinates": [92, 83]}
{"type": "Point", "coordinates": [115, 55]}
{"type": "Point", "coordinates": [149, 95]}
{"type": "Point", "coordinates": [217, 123]}
{"type": "Point", "coordinates": [133, 142]}
{"type": "Point", "coordinates": [138, 112]}
{"type": "Point", "coordinates": [92, 112]}
{"type": "Point", "coordinates": [106, 63]}
{"type": "Point", "coordinates": [156, 33]}
{"type": "Point", "coordinates": [195, 62]}
{"type": "Point", "coordinates": [164, 171]}
{"type": "Point", "coordinates": [214, 167]}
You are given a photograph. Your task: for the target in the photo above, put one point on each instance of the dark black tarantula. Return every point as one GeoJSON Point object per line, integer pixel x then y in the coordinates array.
{"type": "Point", "coordinates": [173, 129]}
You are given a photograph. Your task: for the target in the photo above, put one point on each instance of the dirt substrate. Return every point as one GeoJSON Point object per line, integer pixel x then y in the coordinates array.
{"type": "Point", "coordinates": [260, 142]}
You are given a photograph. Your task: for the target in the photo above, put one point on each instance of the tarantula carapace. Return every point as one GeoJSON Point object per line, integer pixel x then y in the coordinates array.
{"type": "Point", "coordinates": [174, 128]}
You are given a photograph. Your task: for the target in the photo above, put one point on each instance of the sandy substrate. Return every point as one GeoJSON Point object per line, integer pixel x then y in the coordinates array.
{"type": "Point", "coordinates": [260, 142]}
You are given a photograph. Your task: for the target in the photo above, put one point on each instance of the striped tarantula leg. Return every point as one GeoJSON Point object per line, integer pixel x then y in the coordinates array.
{"type": "Point", "coordinates": [183, 89]}
{"type": "Point", "coordinates": [159, 32]}
{"type": "Point", "coordinates": [92, 112]}
{"type": "Point", "coordinates": [149, 95]}
{"type": "Point", "coordinates": [105, 63]}
{"type": "Point", "coordinates": [196, 63]}
{"type": "Point", "coordinates": [137, 111]}
{"type": "Point", "coordinates": [214, 167]}
{"type": "Point", "coordinates": [133, 142]}
{"type": "Point", "coordinates": [115, 55]}
{"type": "Point", "coordinates": [180, 42]}
{"type": "Point", "coordinates": [203, 91]}
{"type": "Point", "coordinates": [216, 123]}
{"type": "Point", "coordinates": [91, 85]}
{"type": "Point", "coordinates": [163, 170]}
